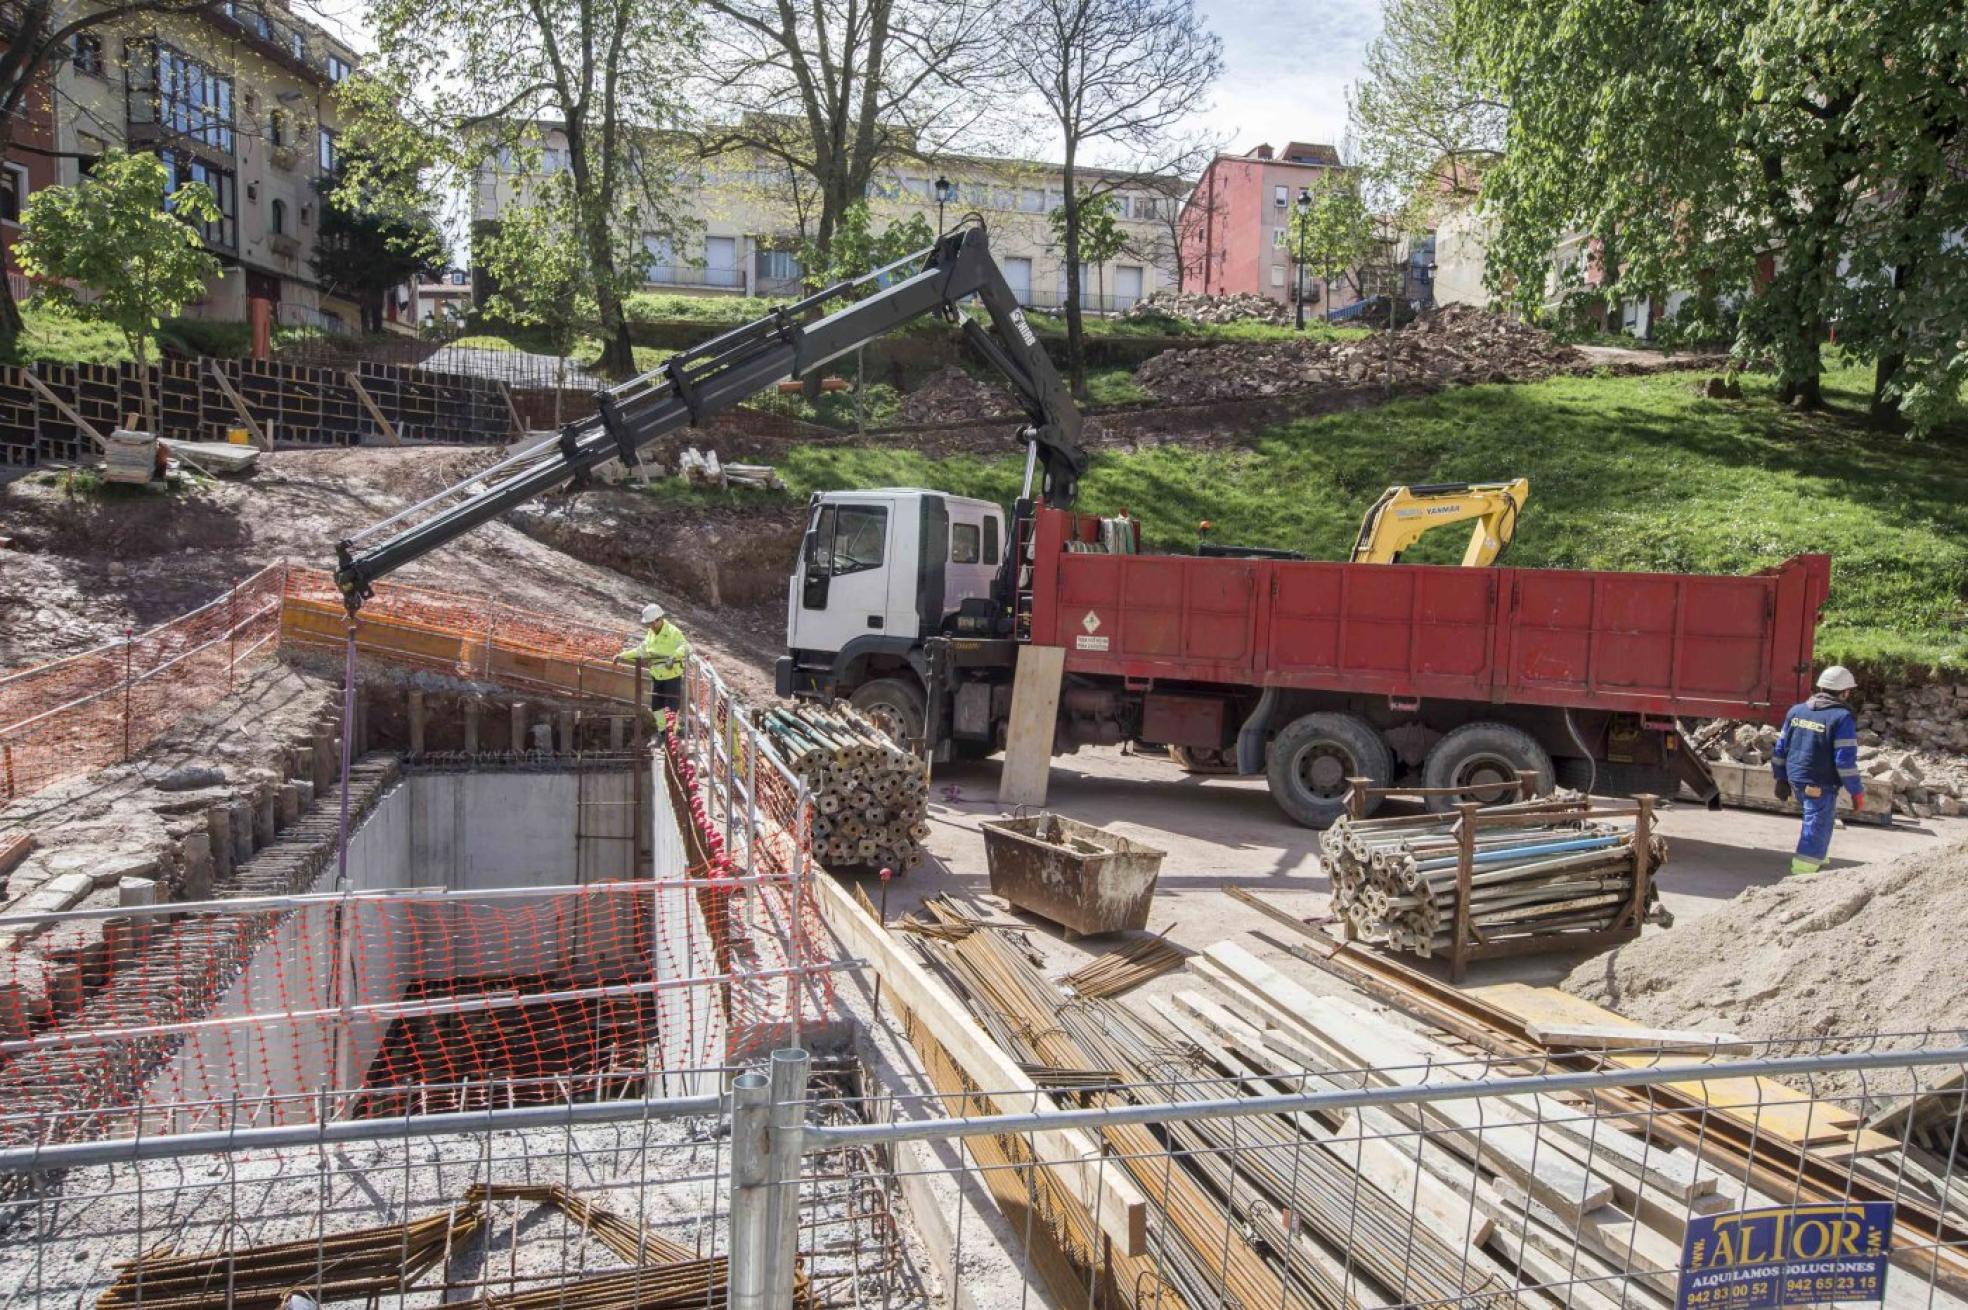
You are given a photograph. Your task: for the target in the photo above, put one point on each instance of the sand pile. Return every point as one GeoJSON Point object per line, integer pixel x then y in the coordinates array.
{"type": "Point", "coordinates": [1851, 952]}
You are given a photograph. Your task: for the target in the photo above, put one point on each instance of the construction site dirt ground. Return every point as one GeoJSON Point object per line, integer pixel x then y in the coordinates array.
{"type": "Point", "coordinates": [1224, 832]}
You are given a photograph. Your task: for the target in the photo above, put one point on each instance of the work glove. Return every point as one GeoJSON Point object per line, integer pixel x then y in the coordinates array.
{"type": "Point", "coordinates": [1858, 800]}
{"type": "Point", "coordinates": [1783, 789]}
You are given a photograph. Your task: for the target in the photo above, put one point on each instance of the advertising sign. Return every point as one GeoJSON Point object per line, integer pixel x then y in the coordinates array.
{"type": "Point", "coordinates": [1786, 1255]}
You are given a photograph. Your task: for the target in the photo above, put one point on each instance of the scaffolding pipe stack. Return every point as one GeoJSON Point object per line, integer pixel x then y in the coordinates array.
{"type": "Point", "coordinates": [870, 796]}
{"type": "Point", "coordinates": [1547, 866]}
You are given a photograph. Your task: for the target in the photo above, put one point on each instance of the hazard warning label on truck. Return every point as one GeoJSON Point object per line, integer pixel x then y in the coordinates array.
{"type": "Point", "coordinates": [1089, 643]}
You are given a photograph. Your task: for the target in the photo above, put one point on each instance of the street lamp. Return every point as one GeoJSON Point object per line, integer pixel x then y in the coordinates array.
{"type": "Point", "coordinates": [1298, 255]}
{"type": "Point", "coordinates": [943, 190]}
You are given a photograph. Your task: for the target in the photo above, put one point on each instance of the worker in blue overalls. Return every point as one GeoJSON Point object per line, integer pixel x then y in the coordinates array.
{"type": "Point", "coordinates": [1816, 754]}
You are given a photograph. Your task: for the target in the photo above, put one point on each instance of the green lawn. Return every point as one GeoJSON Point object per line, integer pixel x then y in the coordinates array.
{"type": "Point", "coordinates": [1626, 473]}
{"type": "Point", "coordinates": [1174, 327]}
{"type": "Point", "coordinates": [58, 338]}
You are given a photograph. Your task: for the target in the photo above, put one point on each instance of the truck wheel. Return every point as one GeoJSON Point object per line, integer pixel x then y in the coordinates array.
{"type": "Point", "coordinates": [1480, 760]}
{"type": "Point", "coordinates": [895, 706]}
{"type": "Point", "coordinates": [1315, 755]}
{"type": "Point", "coordinates": [1204, 759]}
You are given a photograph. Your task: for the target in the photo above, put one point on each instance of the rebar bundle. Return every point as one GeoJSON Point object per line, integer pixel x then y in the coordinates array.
{"type": "Point", "coordinates": [870, 796]}
{"type": "Point", "coordinates": [1557, 870]}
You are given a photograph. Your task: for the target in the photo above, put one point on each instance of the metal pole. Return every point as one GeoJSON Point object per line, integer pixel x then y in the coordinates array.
{"type": "Point", "coordinates": [348, 749]}
{"type": "Point", "coordinates": [789, 1075]}
{"type": "Point", "coordinates": [232, 633]}
{"type": "Point", "coordinates": [751, 1129]}
{"type": "Point", "coordinates": [129, 635]}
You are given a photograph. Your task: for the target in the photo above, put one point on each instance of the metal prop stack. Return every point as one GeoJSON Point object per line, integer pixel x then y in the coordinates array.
{"type": "Point", "coordinates": [1519, 872]}
{"type": "Point", "coordinates": [870, 796]}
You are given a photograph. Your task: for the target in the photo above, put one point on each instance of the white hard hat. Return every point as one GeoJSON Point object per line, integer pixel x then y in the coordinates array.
{"type": "Point", "coordinates": [654, 614]}
{"type": "Point", "coordinates": [1837, 678]}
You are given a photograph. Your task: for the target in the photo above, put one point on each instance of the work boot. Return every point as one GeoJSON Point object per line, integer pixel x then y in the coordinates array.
{"type": "Point", "coordinates": [1804, 866]}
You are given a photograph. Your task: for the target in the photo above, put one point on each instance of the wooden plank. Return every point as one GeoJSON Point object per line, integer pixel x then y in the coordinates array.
{"type": "Point", "coordinates": [14, 849]}
{"type": "Point", "coordinates": [1392, 1057]}
{"type": "Point", "coordinates": [66, 412]}
{"type": "Point", "coordinates": [1034, 715]}
{"type": "Point", "coordinates": [1613, 1037]}
{"type": "Point", "coordinates": [375, 412]}
{"type": "Point", "coordinates": [260, 438]}
{"type": "Point", "coordinates": [512, 410]}
{"type": "Point", "coordinates": [1943, 1098]}
{"type": "Point", "coordinates": [1116, 1205]}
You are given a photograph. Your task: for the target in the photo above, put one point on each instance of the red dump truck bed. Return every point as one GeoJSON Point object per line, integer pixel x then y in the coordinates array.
{"type": "Point", "coordinates": [1649, 643]}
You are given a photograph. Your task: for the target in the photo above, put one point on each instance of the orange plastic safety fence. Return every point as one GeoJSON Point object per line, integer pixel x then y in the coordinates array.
{"type": "Point", "coordinates": [385, 1005]}
{"type": "Point", "coordinates": [72, 715]}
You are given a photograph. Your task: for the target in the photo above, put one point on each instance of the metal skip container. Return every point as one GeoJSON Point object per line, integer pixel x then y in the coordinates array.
{"type": "Point", "coordinates": [1085, 879]}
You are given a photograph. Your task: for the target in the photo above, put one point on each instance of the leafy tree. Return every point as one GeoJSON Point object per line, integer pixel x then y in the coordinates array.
{"type": "Point", "coordinates": [1119, 76]}
{"type": "Point", "coordinates": [1101, 235]}
{"type": "Point", "coordinates": [537, 260]}
{"type": "Point", "coordinates": [370, 240]}
{"type": "Point", "coordinates": [125, 235]}
{"type": "Point", "coordinates": [1420, 118]}
{"type": "Point", "coordinates": [857, 248]}
{"type": "Point", "coordinates": [493, 85]}
{"type": "Point", "coordinates": [1335, 232]}
{"type": "Point", "coordinates": [1801, 160]}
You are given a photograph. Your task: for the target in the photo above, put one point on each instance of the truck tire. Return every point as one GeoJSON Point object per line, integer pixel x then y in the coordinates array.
{"type": "Point", "coordinates": [896, 707]}
{"type": "Point", "coordinates": [1478, 758]}
{"type": "Point", "coordinates": [1202, 759]}
{"type": "Point", "coordinates": [1313, 757]}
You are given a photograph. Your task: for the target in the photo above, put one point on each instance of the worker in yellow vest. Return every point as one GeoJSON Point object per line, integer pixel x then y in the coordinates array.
{"type": "Point", "coordinates": [662, 650]}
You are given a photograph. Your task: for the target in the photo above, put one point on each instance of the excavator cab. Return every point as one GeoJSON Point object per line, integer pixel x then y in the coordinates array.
{"type": "Point", "coordinates": [1404, 515]}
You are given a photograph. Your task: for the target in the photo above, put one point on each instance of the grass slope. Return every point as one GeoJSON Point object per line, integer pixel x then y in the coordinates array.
{"type": "Point", "coordinates": [1626, 473]}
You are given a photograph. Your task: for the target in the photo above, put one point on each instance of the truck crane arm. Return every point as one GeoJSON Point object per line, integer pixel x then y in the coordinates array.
{"type": "Point", "coordinates": [715, 376]}
{"type": "Point", "coordinates": [1404, 515]}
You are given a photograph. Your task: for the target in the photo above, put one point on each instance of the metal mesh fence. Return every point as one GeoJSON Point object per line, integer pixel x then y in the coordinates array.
{"type": "Point", "coordinates": [71, 715]}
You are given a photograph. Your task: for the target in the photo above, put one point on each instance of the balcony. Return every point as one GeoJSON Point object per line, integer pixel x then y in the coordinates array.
{"type": "Point", "coordinates": [286, 157]}
{"type": "Point", "coordinates": [677, 275]}
{"type": "Point", "coordinates": [284, 246]}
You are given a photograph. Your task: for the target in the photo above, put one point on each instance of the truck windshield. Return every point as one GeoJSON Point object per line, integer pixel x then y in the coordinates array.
{"type": "Point", "coordinates": [846, 539]}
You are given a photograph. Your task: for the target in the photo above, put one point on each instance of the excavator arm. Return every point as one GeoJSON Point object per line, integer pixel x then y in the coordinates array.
{"type": "Point", "coordinates": [792, 342]}
{"type": "Point", "coordinates": [1404, 515]}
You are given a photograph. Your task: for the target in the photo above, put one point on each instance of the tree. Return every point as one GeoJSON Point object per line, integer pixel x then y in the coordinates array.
{"type": "Point", "coordinates": [40, 37]}
{"type": "Point", "coordinates": [1420, 118]}
{"type": "Point", "coordinates": [1116, 76]}
{"type": "Point", "coordinates": [455, 87]}
{"type": "Point", "coordinates": [1335, 232]}
{"type": "Point", "coordinates": [537, 260]}
{"type": "Point", "coordinates": [857, 248]}
{"type": "Point", "coordinates": [1801, 161]}
{"type": "Point", "coordinates": [1159, 242]}
{"type": "Point", "coordinates": [1101, 234]}
{"type": "Point", "coordinates": [125, 235]}
{"type": "Point", "coordinates": [832, 89]}
{"type": "Point", "coordinates": [367, 244]}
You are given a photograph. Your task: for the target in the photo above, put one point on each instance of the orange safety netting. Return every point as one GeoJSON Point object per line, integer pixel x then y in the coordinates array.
{"type": "Point", "coordinates": [71, 715]}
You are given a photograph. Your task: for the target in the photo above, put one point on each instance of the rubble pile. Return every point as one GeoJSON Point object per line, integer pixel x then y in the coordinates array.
{"type": "Point", "coordinates": [1926, 781]}
{"type": "Point", "coordinates": [951, 395]}
{"type": "Point", "coordinates": [1190, 307]}
{"type": "Point", "coordinates": [1452, 344]}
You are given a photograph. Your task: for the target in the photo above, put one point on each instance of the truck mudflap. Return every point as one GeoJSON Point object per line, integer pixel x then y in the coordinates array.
{"type": "Point", "coordinates": [1685, 763]}
{"type": "Point", "coordinates": [782, 676]}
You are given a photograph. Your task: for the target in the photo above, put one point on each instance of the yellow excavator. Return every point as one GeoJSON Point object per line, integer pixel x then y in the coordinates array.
{"type": "Point", "coordinates": [1404, 515]}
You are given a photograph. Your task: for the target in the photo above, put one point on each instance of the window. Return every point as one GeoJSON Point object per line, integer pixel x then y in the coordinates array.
{"type": "Point", "coordinates": [1280, 196]}
{"type": "Point", "coordinates": [183, 95]}
{"type": "Point", "coordinates": [991, 540]}
{"type": "Point", "coordinates": [325, 151]}
{"type": "Point", "coordinates": [223, 231]}
{"type": "Point", "coordinates": [277, 128]}
{"type": "Point", "coordinates": [846, 539]}
{"type": "Point", "coordinates": [918, 188]}
{"type": "Point", "coordinates": [1278, 238]}
{"type": "Point", "coordinates": [778, 266]}
{"type": "Point", "coordinates": [13, 192]}
{"type": "Point", "coordinates": [721, 262]}
{"type": "Point", "coordinates": [1031, 200]}
{"type": "Point", "coordinates": [966, 543]}
{"type": "Point", "coordinates": [1018, 275]}
{"type": "Point", "coordinates": [278, 221]}
{"type": "Point", "coordinates": [338, 68]}
{"type": "Point", "coordinates": [553, 159]}
{"type": "Point", "coordinates": [1127, 285]}
{"type": "Point", "coordinates": [296, 43]}
{"type": "Point", "coordinates": [1277, 275]}
{"type": "Point", "coordinates": [89, 54]}
{"type": "Point", "coordinates": [88, 150]}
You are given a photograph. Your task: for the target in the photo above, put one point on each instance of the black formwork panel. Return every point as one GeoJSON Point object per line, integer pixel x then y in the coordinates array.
{"type": "Point", "coordinates": [343, 420]}
{"type": "Point", "coordinates": [384, 383]}
{"type": "Point", "coordinates": [17, 406]}
{"type": "Point", "coordinates": [99, 399]}
{"type": "Point", "coordinates": [179, 410]}
{"type": "Point", "coordinates": [262, 385]}
{"type": "Point", "coordinates": [300, 404]}
{"type": "Point", "coordinates": [56, 438]}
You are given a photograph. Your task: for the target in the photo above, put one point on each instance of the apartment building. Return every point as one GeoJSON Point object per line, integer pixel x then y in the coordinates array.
{"type": "Point", "coordinates": [239, 96]}
{"type": "Point", "coordinates": [1235, 226]}
{"type": "Point", "coordinates": [743, 214]}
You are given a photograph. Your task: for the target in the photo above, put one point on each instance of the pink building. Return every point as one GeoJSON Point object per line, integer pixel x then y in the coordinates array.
{"type": "Point", "coordinates": [1235, 222]}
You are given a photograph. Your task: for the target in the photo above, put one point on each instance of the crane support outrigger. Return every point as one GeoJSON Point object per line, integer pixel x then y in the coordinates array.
{"type": "Point", "coordinates": [791, 342]}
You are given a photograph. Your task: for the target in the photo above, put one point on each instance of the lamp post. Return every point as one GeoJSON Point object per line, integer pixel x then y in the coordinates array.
{"type": "Point", "coordinates": [943, 190]}
{"type": "Point", "coordinates": [1298, 253]}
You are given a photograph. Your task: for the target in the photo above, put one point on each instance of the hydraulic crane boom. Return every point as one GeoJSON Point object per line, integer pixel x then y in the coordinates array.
{"type": "Point", "coordinates": [715, 376]}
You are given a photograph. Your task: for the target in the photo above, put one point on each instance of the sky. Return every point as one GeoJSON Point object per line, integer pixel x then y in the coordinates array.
{"type": "Point", "coordinates": [1286, 66]}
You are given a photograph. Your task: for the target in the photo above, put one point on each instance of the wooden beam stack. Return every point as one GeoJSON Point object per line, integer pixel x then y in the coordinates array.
{"type": "Point", "coordinates": [870, 796]}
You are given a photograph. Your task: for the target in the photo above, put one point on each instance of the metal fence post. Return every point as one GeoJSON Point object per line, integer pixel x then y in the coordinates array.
{"type": "Point", "coordinates": [129, 637]}
{"type": "Point", "coordinates": [789, 1075]}
{"type": "Point", "coordinates": [751, 1128]}
{"type": "Point", "coordinates": [232, 632]}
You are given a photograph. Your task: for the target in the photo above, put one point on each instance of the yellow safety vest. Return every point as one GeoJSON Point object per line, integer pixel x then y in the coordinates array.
{"type": "Point", "coordinates": [663, 651]}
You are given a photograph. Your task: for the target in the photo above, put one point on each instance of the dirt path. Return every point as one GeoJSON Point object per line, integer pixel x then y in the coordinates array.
{"type": "Point", "coordinates": [84, 567]}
